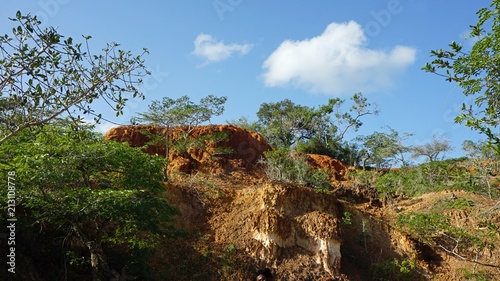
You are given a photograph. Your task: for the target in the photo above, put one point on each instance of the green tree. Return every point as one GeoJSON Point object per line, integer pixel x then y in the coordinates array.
{"type": "Point", "coordinates": [382, 148]}
{"type": "Point", "coordinates": [44, 75]}
{"type": "Point", "coordinates": [99, 194]}
{"type": "Point", "coordinates": [184, 114]}
{"type": "Point", "coordinates": [483, 161]}
{"type": "Point", "coordinates": [480, 150]}
{"type": "Point", "coordinates": [477, 73]}
{"type": "Point", "coordinates": [285, 124]}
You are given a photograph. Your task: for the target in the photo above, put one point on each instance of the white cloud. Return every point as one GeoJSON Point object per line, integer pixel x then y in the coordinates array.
{"type": "Point", "coordinates": [211, 50]}
{"type": "Point", "coordinates": [335, 62]}
{"type": "Point", "coordinates": [101, 127]}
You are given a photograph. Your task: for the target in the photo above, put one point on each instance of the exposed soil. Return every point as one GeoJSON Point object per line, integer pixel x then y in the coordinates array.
{"type": "Point", "coordinates": [237, 221]}
{"type": "Point", "coordinates": [245, 147]}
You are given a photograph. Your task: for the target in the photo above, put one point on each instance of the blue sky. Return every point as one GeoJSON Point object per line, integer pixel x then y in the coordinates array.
{"type": "Point", "coordinates": [265, 51]}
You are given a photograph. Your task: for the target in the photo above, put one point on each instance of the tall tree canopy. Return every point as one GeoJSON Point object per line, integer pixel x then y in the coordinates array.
{"type": "Point", "coordinates": [381, 148]}
{"type": "Point", "coordinates": [477, 72]}
{"type": "Point", "coordinates": [44, 75]}
{"type": "Point", "coordinates": [285, 123]}
{"type": "Point", "coordinates": [182, 111]}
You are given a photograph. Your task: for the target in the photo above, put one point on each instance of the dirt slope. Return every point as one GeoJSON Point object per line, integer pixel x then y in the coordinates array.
{"type": "Point", "coordinates": [238, 221]}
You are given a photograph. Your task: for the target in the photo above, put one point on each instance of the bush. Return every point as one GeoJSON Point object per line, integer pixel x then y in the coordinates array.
{"type": "Point", "coordinates": [363, 177]}
{"type": "Point", "coordinates": [424, 226]}
{"type": "Point", "coordinates": [342, 151]}
{"type": "Point", "coordinates": [437, 230]}
{"type": "Point", "coordinates": [393, 270]}
{"type": "Point", "coordinates": [434, 176]}
{"type": "Point", "coordinates": [282, 165]}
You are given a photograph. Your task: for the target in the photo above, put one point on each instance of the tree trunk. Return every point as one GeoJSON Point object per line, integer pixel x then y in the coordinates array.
{"type": "Point", "coordinates": [94, 263]}
{"type": "Point", "coordinates": [364, 161]}
{"type": "Point", "coordinates": [100, 268]}
{"type": "Point", "coordinates": [167, 154]}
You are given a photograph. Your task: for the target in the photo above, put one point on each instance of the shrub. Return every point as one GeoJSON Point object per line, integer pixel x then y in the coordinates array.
{"type": "Point", "coordinates": [393, 270]}
{"type": "Point", "coordinates": [282, 165]}
{"type": "Point", "coordinates": [434, 176]}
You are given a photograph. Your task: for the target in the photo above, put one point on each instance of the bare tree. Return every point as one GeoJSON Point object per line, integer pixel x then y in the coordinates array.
{"type": "Point", "coordinates": [439, 145]}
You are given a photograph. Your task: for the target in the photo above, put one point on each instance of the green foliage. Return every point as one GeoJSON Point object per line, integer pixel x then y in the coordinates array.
{"type": "Point", "coordinates": [186, 115]}
{"type": "Point", "coordinates": [244, 123]}
{"type": "Point", "coordinates": [202, 142]}
{"type": "Point", "coordinates": [103, 194]}
{"type": "Point", "coordinates": [342, 151]}
{"type": "Point", "coordinates": [347, 218]}
{"type": "Point", "coordinates": [479, 150]}
{"type": "Point", "coordinates": [384, 149]}
{"type": "Point", "coordinates": [430, 177]}
{"type": "Point", "coordinates": [393, 270]}
{"type": "Point", "coordinates": [424, 226]}
{"type": "Point", "coordinates": [475, 275]}
{"type": "Point", "coordinates": [228, 261]}
{"type": "Point", "coordinates": [453, 203]}
{"type": "Point", "coordinates": [284, 123]}
{"type": "Point", "coordinates": [320, 180]}
{"type": "Point", "coordinates": [182, 112]}
{"type": "Point", "coordinates": [43, 75]}
{"type": "Point", "coordinates": [363, 177]}
{"type": "Point", "coordinates": [283, 165]}
{"type": "Point", "coordinates": [436, 229]}
{"type": "Point", "coordinates": [476, 72]}
{"type": "Point", "coordinates": [484, 163]}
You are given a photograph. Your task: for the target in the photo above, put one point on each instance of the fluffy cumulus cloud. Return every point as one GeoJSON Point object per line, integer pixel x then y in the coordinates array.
{"type": "Point", "coordinates": [336, 62]}
{"type": "Point", "coordinates": [211, 50]}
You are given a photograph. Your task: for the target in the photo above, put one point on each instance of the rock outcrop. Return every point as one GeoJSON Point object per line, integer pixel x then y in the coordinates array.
{"type": "Point", "coordinates": [246, 147]}
{"type": "Point", "coordinates": [336, 167]}
{"type": "Point", "coordinates": [276, 224]}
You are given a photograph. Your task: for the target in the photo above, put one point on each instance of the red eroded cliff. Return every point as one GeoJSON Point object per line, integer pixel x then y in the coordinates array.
{"type": "Point", "coordinates": [246, 147]}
